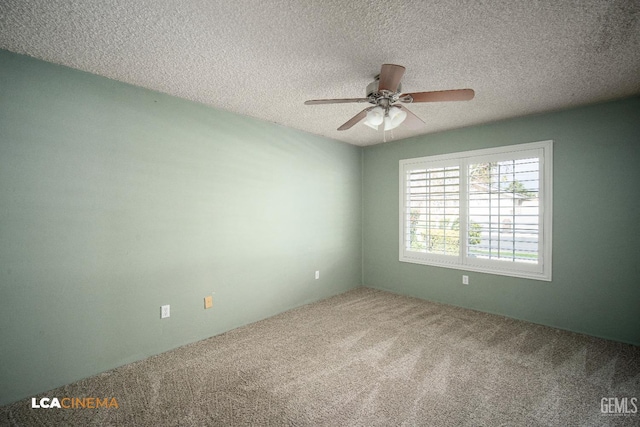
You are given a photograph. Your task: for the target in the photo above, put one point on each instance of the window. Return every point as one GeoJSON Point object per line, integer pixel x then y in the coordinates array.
{"type": "Point", "coordinates": [485, 210]}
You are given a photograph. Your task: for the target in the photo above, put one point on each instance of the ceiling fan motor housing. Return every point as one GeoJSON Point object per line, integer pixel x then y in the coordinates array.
{"type": "Point", "coordinates": [372, 88]}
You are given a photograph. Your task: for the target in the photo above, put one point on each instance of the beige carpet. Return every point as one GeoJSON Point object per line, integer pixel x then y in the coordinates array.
{"type": "Point", "coordinates": [365, 358]}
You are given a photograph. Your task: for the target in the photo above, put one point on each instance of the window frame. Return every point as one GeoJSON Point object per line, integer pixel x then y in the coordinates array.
{"type": "Point", "coordinates": [543, 150]}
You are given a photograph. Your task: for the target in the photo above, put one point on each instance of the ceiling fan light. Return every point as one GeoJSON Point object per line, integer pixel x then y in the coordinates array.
{"type": "Point", "coordinates": [395, 118]}
{"type": "Point", "coordinates": [375, 117]}
{"type": "Point", "coordinates": [370, 125]}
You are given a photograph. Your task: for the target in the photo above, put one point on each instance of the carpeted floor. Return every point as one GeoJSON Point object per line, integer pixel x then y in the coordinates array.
{"type": "Point", "coordinates": [365, 358]}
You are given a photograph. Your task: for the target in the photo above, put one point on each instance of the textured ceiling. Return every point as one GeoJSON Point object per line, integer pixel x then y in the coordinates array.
{"type": "Point", "coordinates": [264, 58]}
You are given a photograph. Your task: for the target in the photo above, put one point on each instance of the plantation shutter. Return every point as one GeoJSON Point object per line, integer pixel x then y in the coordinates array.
{"type": "Point", "coordinates": [503, 210]}
{"type": "Point", "coordinates": [432, 210]}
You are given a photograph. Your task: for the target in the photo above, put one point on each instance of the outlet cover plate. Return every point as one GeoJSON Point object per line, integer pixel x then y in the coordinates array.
{"type": "Point", "coordinates": [165, 311]}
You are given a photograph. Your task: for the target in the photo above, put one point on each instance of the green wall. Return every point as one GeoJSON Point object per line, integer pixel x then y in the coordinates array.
{"type": "Point", "coordinates": [115, 200]}
{"type": "Point", "coordinates": [596, 217]}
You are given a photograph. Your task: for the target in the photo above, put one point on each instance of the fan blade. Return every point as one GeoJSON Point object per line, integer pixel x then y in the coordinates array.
{"type": "Point", "coordinates": [411, 121]}
{"type": "Point", "coordinates": [439, 96]}
{"type": "Point", "coordinates": [390, 76]}
{"type": "Point", "coordinates": [355, 119]}
{"type": "Point", "coordinates": [335, 101]}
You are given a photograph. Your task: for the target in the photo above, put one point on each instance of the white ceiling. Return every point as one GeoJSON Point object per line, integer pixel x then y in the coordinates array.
{"type": "Point", "coordinates": [264, 58]}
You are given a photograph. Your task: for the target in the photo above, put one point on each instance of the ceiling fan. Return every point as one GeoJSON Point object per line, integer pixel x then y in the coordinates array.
{"type": "Point", "coordinates": [384, 92]}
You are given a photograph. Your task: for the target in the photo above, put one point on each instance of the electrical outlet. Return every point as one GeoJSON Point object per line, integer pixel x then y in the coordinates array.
{"type": "Point", "coordinates": [317, 274]}
{"type": "Point", "coordinates": [165, 311]}
{"type": "Point", "coordinates": [465, 279]}
{"type": "Point", "coordinates": [208, 302]}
